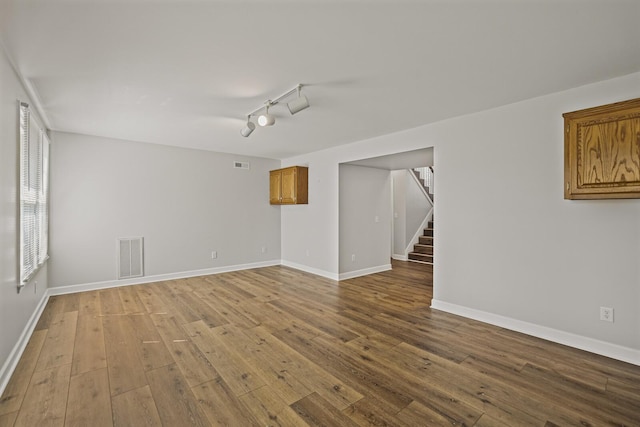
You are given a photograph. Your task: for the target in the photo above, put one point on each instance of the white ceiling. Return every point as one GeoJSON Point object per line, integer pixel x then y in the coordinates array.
{"type": "Point", "coordinates": [186, 72]}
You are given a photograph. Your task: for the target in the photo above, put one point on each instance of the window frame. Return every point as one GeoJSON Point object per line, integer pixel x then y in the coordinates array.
{"type": "Point", "coordinates": [33, 190]}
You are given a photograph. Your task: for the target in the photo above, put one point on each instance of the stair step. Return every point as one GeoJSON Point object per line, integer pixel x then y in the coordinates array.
{"type": "Point", "coordinates": [421, 262]}
{"type": "Point", "coordinates": [420, 257]}
{"type": "Point", "coordinates": [425, 240]}
{"type": "Point", "coordinates": [423, 249]}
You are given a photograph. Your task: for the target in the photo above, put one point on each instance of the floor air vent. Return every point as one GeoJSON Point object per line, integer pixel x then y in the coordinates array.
{"type": "Point", "coordinates": [130, 257]}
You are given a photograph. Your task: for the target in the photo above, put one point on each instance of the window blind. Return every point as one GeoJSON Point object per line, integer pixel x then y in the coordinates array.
{"type": "Point", "coordinates": [34, 193]}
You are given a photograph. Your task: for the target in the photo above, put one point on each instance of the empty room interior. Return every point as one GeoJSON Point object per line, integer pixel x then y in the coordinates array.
{"type": "Point", "coordinates": [325, 213]}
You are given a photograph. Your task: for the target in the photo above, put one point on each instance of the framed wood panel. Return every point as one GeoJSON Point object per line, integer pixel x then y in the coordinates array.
{"type": "Point", "coordinates": [275, 187]}
{"type": "Point", "coordinates": [602, 152]}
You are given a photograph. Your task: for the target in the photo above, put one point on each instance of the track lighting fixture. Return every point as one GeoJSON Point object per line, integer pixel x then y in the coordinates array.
{"type": "Point", "coordinates": [250, 127]}
{"type": "Point", "coordinates": [266, 119]}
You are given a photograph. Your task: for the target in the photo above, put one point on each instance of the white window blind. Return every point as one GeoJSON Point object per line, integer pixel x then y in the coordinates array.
{"type": "Point", "coordinates": [34, 193]}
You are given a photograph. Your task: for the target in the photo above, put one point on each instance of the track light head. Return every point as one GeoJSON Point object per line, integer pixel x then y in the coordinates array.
{"type": "Point", "coordinates": [250, 127]}
{"type": "Point", "coordinates": [298, 104]}
{"type": "Point", "coordinates": [266, 119]}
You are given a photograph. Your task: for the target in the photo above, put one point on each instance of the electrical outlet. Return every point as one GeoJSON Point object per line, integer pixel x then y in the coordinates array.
{"type": "Point", "coordinates": [264, 249]}
{"type": "Point", "coordinates": [353, 258]}
{"type": "Point", "coordinates": [214, 254]}
{"type": "Point", "coordinates": [606, 314]}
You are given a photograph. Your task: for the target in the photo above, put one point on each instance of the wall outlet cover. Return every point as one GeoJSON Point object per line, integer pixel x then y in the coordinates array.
{"type": "Point", "coordinates": [606, 314]}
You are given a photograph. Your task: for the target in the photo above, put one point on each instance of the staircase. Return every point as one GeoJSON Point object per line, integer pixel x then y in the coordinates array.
{"type": "Point", "coordinates": [423, 250]}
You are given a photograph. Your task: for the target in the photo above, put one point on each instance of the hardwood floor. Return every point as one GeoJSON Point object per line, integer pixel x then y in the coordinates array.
{"type": "Point", "coordinates": [279, 347]}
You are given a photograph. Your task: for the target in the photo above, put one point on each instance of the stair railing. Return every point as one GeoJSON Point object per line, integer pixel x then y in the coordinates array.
{"type": "Point", "coordinates": [427, 173]}
{"type": "Point", "coordinates": [426, 176]}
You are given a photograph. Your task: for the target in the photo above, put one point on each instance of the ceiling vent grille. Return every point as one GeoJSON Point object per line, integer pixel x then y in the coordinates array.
{"type": "Point", "coordinates": [241, 165]}
{"type": "Point", "coordinates": [130, 256]}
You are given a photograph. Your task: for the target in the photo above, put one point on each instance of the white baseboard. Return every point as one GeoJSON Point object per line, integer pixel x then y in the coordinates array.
{"type": "Point", "coordinates": [70, 289]}
{"type": "Point", "coordinates": [14, 357]}
{"type": "Point", "coordinates": [399, 257]}
{"type": "Point", "coordinates": [602, 348]}
{"type": "Point", "coordinates": [311, 270]}
{"type": "Point", "coordinates": [334, 276]}
{"type": "Point", "coordinates": [364, 272]}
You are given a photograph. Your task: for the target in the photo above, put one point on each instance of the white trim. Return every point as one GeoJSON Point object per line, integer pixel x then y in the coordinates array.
{"type": "Point", "coordinates": [306, 268]}
{"type": "Point", "coordinates": [393, 215]}
{"type": "Point", "coordinates": [70, 289]}
{"type": "Point", "coordinates": [603, 348]}
{"type": "Point", "coordinates": [399, 257]}
{"type": "Point", "coordinates": [14, 357]}
{"type": "Point", "coordinates": [364, 272]}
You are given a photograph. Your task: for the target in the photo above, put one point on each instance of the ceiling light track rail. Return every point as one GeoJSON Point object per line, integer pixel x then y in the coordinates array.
{"type": "Point", "coordinates": [297, 104]}
{"type": "Point", "coordinates": [272, 102]}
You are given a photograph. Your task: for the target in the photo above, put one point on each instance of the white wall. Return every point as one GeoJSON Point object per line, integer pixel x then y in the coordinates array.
{"type": "Point", "coordinates": [418, 206]}
{"type": "Point", "coordinates": [185, 203]}
{"type": "Point", "coordinates": [15, 309]}
{"type": "Point", "coordinates": [310, 233]}
{"type": "Point", "coordinates": [365, 220]}
{"type": "Point", "coordinates": [520, 250]}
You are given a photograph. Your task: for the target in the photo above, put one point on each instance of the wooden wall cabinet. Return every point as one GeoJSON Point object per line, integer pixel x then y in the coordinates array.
{"type": "Point", "coordinates": [602, 152]}
{"type": "Point", "coordinates": [289, 186]}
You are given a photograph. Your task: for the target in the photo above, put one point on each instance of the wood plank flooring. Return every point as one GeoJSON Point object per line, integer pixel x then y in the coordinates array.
{"type": "Point", "coordinates": [278, 347]}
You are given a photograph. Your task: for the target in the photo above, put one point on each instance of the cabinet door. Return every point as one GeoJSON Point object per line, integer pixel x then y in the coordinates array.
{"type": "Point", "coordinates": [288, 186]}
{"type": "Point", "coordinates": [275, 186]}
{"type": "Point", "coordinates": [602, 152]}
